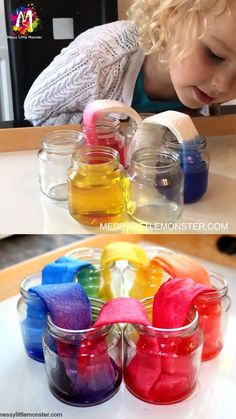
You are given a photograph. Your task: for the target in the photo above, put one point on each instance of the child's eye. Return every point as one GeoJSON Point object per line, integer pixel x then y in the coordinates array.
{"type": "Point", "coordinates": [213, 56]}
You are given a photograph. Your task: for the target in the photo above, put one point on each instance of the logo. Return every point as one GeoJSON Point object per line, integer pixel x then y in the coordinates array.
{"type": "Point", "coordinates": [25, 20]}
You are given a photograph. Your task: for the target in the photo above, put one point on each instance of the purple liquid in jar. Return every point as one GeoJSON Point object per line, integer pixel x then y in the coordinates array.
{"type": "Point", "coordinates": [84, 367]}
{"type": "Point", "coordinates": [83, 394]}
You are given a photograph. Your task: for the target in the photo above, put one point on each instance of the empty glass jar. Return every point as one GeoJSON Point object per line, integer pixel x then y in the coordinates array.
{"type": "Point", "coordinates": [83, 366]}
{"type": "Point", "coordinates": [213, 308]}
{"type": "Point", "coordinates": [155, 186]}
{"type": "Point", "coordinates": [97, 186]}
{"type": "Point", "coordinates": [161, 366]}
{"type": "Point", "coordinates": [32, 314]}
{"type": "Point", "coordinates": [54, 160]}
{"type": "Point", "coordinates": [148, 135]}
{"type": "Point", "coordinates": [107, 132]}
{"type": "Point", "coordinates": [194, 161]}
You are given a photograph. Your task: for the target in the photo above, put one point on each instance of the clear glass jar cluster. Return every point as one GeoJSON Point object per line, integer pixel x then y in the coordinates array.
{"type": "Point", "coordinates": [97, 187]}
{"type": "Point", "coordinates": [103, 178]}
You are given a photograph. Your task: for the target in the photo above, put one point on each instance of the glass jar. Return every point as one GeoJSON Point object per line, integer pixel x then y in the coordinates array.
{"type": "Point", "coordinates": [213, 308]}
{"type": "Point", "coordinates": [107, 132]}
{"type": "Point", "coordinates": [97, 186]}
{"type": "Point", "coordinates": [32, 314]}
{"type": "Point", "coordinates": [161, 366]}
{"type": "Point", "coordinates": [194, 160]}
{"type": "Point", "coordinates": [144, 281]}
{"type": "Point", "coordinates": [98, 282]}
{"type": "Point", "coordinates": [155, 187]}
{"type": "Point", "coordinates": [148, 135]}
{"type": "Point", "coordinates": [54, 160]}
{"type": "Point", "coordinates": [153, 251]}
{"type": "Point", "coordinates": [83, 367]}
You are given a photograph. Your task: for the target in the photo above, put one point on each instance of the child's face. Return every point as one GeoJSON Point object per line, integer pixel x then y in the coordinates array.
{"type": "Point", "coordinates": [208, 74]}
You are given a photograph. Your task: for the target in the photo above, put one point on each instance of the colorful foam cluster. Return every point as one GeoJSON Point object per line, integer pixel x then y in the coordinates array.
{"type": "Point", "coordinates": [87, 364]}
{"type": "Point", "coordinates": [54, 276]}
{"type": "Point", "coordinates": [162, 344]}
{"type": "Point", "coordinates": [159, 368]}
{"type": "Point", "coordinates": [98, 282]}
{"type": "Point", "coordinates": [164, 365]}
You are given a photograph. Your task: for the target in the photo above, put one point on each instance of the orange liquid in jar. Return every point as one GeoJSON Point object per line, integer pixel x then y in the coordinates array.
{"type": "Point", "coordinates": [97, 193]}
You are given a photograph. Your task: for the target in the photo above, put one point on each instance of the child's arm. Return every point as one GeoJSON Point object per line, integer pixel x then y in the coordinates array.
{"type": "Point", "coordinates": [59, 94]}
{"type": "Point", "coordinates": [91, 67]}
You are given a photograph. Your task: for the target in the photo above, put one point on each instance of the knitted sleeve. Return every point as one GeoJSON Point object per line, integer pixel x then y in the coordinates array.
{"type": "Point", "coordinates": [91, 67]}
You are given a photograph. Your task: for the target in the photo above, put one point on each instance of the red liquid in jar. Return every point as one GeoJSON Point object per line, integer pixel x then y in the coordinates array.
{"type": "Point", "coordinates": [162, 371]}
{"type": "Point", "coordinates": [115, 143]}
{"type": "Point", "coordinates": [210, 312]}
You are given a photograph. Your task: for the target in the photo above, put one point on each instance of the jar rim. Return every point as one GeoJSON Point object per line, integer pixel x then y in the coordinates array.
{"type": "Point", "coordinates": [220, 291]}
{"type": "Point", "coordinates": [96, 252]}
{"type": "Point", "coordinates": [138, 158]}
{"type": "Point", "coordinates": [63, 141]}
{"type": "Point", "coordinates": [198, 141]}
{"type": "Point", "coordinates": [108, 154]}
{"type": "Point", "coordinates": [158, 249]}
{"type": "Point", "coordinates": [187, 329]}
{"type": "Point", "coordinates": [25, 285]}
{"type": "Point", "coordinates": [91, 332]}
{"type": "Point", "coordinates": [106, 122]}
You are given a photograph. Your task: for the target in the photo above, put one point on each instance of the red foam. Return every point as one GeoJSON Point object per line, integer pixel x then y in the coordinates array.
{"type": "Point", "coordinates": [173, 301]}
{"type": "Point", "coordinates": [122, 310]}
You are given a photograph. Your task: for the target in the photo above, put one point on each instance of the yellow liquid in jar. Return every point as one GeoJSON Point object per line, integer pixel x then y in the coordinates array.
{"type": "Point", "coordinates": [96, 195]}
{"type": "Point", "coordinates": [147, 282]}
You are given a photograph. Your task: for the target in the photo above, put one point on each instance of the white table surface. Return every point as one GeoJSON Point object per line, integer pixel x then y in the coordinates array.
{"type": "Point", "coordinates": [23, 384]}
{"type": "Point", "coordinates": [24, 209]}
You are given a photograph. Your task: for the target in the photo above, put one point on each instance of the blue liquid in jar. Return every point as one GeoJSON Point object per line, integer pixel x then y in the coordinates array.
{"type": "Point", "coordinates": [195, 174]}
{"type": "Point", "coordinates": [195, 181]}
{"type": "Point", "coordinates": [32, 329]}
{"type": "Point", "coordinates": [194, 165]}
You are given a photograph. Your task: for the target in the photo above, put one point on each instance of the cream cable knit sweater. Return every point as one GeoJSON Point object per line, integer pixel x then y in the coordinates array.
{"type": "Point", "coordinates": [101, 63]}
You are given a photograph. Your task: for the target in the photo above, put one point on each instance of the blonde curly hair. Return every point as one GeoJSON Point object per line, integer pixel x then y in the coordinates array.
{"type": "Point", "coordinates": [161, 23]}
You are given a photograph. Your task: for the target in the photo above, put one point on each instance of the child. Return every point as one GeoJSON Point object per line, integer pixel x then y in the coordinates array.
{"type": "Point", "coordinates": [173, 53]}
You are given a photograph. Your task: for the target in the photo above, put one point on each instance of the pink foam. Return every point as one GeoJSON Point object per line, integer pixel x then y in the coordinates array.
{"type": "Point", "coordinates": [122, 310]}
{"type": "Point", "coordinates": [173, 301]}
